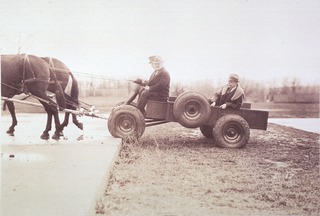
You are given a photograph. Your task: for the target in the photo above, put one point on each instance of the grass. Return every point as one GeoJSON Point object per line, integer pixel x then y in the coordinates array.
{"type": "Point", "coordinates": [179, 172]}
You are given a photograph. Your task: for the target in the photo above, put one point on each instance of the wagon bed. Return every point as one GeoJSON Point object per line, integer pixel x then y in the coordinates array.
{"type": "Point", "coordinates": [228, 127]}
{"type": "Point", "coordinates": [257, 119]}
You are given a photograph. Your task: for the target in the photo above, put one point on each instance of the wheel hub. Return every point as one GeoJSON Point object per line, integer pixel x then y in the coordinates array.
{"type": "Point", "coordinates": [232, 133]}
{"type": "Point", "coordinates": [126, 124]}
{"type": "Point", "coordinates": [192, 109]}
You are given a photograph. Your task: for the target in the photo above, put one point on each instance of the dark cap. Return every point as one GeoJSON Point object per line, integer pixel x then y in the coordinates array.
{"type": "Point", "coordinates": [234, 77]}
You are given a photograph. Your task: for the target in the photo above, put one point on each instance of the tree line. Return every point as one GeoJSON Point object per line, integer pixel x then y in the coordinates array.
{"type": "Point", "coordinates": [290, 90]}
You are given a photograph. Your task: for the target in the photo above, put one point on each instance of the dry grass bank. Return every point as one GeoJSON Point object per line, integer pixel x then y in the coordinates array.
{"type": "Point", "coordinates": [176, 171]}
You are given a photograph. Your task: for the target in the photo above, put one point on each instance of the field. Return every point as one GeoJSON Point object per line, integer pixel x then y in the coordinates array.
{"type": "Point", "coordinates": [289, 110]}
{"type": "Point", "coordinates": [173, 170]}
{"type": "Point", "coordinates": [177, 171]}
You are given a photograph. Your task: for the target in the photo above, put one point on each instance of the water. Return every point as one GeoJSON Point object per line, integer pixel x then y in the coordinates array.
{"type": "Point", "coordinates": [305, 124]}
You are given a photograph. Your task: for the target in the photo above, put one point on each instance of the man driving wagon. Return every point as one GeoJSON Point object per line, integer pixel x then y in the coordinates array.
{"type": "Point", "coordinates": [156, 88]}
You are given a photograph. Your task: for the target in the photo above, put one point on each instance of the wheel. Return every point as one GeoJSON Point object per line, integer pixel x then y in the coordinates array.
{"type": "Point", "coordinates": [191, 109]}
{"type": "Point", "coordinates": [126, 121]}
{"type": "Point", "coordinates": [206, 130]}
{"type": "Point", "coordinates": [231, 131]}
{"type": "Point", "coordinates": [123, 103]}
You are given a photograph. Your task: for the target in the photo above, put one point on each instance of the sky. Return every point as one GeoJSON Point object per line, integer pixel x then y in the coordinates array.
{"type": "Point", "coordinates": [260, 40]}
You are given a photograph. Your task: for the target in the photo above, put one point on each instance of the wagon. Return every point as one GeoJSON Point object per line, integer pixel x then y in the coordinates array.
{"type": "Point", "coordinates": [228, 128]}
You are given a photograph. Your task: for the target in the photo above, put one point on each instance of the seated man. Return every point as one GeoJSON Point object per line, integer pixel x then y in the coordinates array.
{"type": "Point", "coordinates": [230, 95]}
{"type": "Point", "coordinates": [157, 87]}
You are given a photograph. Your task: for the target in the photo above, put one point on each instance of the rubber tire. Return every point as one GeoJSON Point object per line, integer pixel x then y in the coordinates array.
{"type": "Point", "coordinates": [126, 121]}
{"type": "Point", "coordinates": [207, 130]}
{"type": "Point", "coordinates": [123, 103]}
{"type": "Point", "coordinates": [231, 131]}
{"type": "Point", "coordinates": [191, 109]}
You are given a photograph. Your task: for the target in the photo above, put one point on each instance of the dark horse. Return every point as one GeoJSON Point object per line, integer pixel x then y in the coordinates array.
{"type": "Point", "coordinates": [30, 74]}
{"type": "Point", "coordinates": [70, 87]}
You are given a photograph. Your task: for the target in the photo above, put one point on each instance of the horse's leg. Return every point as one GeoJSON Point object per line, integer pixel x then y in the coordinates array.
{"type": "Point", "coordinates": [45, 133]}
{"type": "Point", "coordinates": [58, 131]}
{"type": "Point", "coordinates": [51, 112]}
{"type": "Point", "coordinates": [76, 122]}
{"type": "Point", "coordinates": [74, 119]}
{"type": "Point", "coordinates": [65, 121]}
{"type": "Point", "coordinates": [11, 109]}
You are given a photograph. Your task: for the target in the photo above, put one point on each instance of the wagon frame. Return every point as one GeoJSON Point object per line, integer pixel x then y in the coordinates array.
{"type": "Point", "coordinates": [228, 127]}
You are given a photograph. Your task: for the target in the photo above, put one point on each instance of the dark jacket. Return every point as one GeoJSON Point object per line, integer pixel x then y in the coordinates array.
{"type": "Point", "coordinates": [233, 99]}
{"type": "Point", "coordinates": [159, 83]}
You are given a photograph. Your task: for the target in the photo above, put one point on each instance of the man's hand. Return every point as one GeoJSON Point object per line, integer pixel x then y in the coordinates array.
{"type": "Point", "coordinates": [223, 106]}
{"type": "Point", "coordinates": [213, 104]}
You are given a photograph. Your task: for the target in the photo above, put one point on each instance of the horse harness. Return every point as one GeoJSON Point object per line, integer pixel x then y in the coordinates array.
{"type": "Point", "coordinates": [22, 87]}
{"type": "Point", "coordinates": [26, 63]}
{"type": "Point", "coordinates": [68, 87]}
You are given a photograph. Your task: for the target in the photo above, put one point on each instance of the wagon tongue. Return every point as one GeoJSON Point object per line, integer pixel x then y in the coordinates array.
{"type": "Point", "coordinates": [92, 112]}
{"type": "Point", "coordinates": [50, 94]}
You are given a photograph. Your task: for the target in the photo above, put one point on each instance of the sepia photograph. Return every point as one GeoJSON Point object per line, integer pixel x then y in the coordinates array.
{"type": "Point", "coordinates": [160, 107]}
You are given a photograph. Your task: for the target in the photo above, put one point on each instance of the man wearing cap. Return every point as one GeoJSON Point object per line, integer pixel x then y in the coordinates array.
{"type": "Point", "coordinates": [156, 88]}
{"type": "Point", "coordinates": [230, 95]}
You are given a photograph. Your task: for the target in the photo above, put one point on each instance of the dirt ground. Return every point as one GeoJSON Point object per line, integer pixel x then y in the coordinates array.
{"type": "Point", "coordinates": [177, 171]}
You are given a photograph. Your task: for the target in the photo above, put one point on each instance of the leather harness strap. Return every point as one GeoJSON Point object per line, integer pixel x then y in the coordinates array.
{"type": "Point", "coordinates": [25, 61]}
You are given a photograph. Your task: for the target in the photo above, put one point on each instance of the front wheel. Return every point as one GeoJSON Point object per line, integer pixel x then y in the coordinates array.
{"type": "Point", "coordinates": [231, 131]}
{"type": "Point", "coordinates": [123, 103]}
{"type": "Point", "coordinates": [126, 121]}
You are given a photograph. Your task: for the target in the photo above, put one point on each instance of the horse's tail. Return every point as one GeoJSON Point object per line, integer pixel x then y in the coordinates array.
{"type": "Point", "coordinates": [61, 100]}
{"type": "Point", "coordinates": [74, 90]}
{"type": "Point", "coordinates": [4, 106]}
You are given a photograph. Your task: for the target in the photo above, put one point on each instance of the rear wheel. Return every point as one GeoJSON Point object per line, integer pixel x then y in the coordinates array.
{"type": "Point", "coordinates": [126, 121]}
{"type": "Point", "coordinates": [206, 130]}
{"type": "Point", "coordinates": [231, 131]}
{"type": "Point", "coordinates": [191, 109]}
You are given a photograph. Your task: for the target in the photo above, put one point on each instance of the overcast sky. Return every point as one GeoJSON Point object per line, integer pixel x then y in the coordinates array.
{"type": "Point", "coordinates": [262, 40]}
